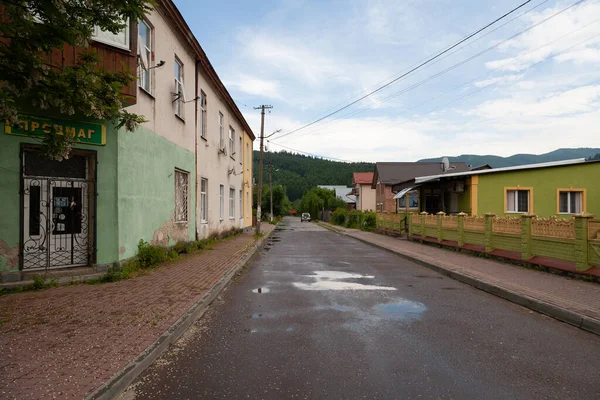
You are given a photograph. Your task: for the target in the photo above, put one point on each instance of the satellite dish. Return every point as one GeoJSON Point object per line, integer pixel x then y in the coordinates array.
{"type": "Point", "coordinates": [445, 164]}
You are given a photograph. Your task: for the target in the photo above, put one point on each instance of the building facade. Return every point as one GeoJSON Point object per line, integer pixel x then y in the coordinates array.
{"type": "Point", "coordinates": [182, 175]}
{"type": "Point", "coordinates": [365, 194]}
{"type": "Point", "coordinates": [554, 189]}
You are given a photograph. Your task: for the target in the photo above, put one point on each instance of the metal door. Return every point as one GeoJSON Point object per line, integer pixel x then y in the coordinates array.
{"type": "Point", "coordinates": [56, 209]}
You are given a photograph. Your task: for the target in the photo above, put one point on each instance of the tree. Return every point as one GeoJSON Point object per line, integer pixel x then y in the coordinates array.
{"type": "Point", "coordinates": [281, 203]}
{"type": "Point", "coordinates": [317, 199]}
{"type": "Point", "coordinates": [30, 31]}
{"type": "Point", "coordinates": [596, 157]}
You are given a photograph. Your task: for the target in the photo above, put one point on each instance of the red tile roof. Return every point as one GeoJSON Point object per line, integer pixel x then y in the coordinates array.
{"type": "Point", "coordinates": [362, 178]}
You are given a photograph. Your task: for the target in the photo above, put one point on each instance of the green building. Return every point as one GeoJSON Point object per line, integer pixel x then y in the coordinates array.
{"type": "Point", "coordinates": [561, 188]}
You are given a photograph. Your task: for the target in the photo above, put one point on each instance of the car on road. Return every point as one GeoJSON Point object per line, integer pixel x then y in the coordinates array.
{"type": "Point", "coordinates": [305, 217]}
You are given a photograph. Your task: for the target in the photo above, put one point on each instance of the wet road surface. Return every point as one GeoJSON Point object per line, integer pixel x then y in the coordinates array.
{"type": "Point", "coordinates": [320, 315]}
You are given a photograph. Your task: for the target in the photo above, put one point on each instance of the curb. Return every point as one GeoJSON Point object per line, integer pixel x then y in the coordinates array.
{"type": "Point", "coordinates": [570, 317]}
{"type": "Point", "coordinates": [119, 382]}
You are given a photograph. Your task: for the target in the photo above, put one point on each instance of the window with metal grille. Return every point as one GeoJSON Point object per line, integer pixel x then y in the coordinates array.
{"type": "Point", "coordinates": [517, 201]}
{"type": "Point", "coordinates": [181, 195]}
{"type": "Point", "coordinates": [203, 199]}
{"type": "Point", "coordinates": [570, 202]}
{"type": "Point", "coordinates": [231, 203]}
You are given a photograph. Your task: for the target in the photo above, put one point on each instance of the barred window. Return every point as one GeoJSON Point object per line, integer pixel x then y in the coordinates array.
{"type": "Point", "coordinates": [182, 179]}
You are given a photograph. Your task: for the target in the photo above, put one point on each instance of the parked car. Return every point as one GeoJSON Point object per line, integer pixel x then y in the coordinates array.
{"type": "Point", "coordinates": [305, 217]}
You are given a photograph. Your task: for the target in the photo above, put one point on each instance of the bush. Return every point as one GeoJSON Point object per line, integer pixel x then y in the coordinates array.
{"type": "Point", "coordinates": [149, 255]}
{"type": "Point", "coordinates": [369, 221]}
{"type": "Point", "coordinates": [354, 220]}
{"type": "Point", "coordinates": [339, 216]}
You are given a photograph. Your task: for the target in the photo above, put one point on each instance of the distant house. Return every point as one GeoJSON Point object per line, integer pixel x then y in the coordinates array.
{"type": "Point", "coordinates": [388, 175]}
{"type": "Point", "coordinates": [342, 192]}
{"type": "Point", "coordinates": [559, 188]}
{"type": "Point", "coordinates": [361, 188]}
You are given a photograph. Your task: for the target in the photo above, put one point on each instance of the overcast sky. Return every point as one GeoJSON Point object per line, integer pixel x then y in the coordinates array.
{"type": "Point", "coordinates": [534, 93]}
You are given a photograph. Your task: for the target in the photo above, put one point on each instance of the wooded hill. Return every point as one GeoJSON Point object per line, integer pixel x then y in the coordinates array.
{"type": "Point", "coordinates": [298, 173]}
{"type": "Point", "coordinates": [521, 159]}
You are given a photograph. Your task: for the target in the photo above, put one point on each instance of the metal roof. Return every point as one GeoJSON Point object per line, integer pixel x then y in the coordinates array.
{"type": "Point", "coordinates": [428, 178]}
{"type": "Point", "coordinates": [389, 173]}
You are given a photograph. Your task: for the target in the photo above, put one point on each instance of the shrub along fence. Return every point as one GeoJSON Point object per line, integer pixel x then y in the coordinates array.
{"type": "Point", "coordinates": [356, 219]}
{"type": "Point", "coordinates": [575, 239]}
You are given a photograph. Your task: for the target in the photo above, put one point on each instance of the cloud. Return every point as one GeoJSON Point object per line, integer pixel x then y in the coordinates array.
{"type": "Point", "coordinates": [256, 86]}
{"type": "Point", "coordinates": [499, 80]}
{"type": "Point", "coordinates": [535, 45]}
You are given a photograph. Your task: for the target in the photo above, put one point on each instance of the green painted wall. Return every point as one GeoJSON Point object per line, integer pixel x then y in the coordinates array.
{"type": "Point", "coordinates": [107, 242]}
{"type": "Point", "coordinates": [146, 185]}
{"type": "Point", "coordinates": [544, 181]}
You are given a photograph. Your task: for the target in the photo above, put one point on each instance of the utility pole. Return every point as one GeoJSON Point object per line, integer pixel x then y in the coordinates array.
{"type": "Point", "coordinates": [260, 165]}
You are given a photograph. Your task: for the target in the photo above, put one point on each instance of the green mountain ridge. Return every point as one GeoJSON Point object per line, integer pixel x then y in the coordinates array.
{"type": "Point", "coordinates": [520, 159]}
{"type": "Point", "coordinates": [298, 173]}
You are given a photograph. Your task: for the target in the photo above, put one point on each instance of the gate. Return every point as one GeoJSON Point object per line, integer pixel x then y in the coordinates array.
{"type": "Point", "coordinates": [57, 198]}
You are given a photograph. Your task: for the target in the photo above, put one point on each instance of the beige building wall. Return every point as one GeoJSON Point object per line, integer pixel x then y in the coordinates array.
{"type": "Point", "coordinates": [157, 106]}
{"type": "Point", "coordinates": [366, 197]}
{"type": "Point", "coordinates": [247, 180]}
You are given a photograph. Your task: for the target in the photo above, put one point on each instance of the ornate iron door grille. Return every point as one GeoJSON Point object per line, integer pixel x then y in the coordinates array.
{"type": "Point", "coordinates": [56, 203]}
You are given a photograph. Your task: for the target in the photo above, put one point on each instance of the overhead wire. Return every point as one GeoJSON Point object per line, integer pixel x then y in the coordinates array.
{"type": "Point", "coordinates": [412, 69]}
{"type": "Point", "coordinates": [314, 155]}
{"type": "Point", "coordinates": [454, 66]}
{"type": "Point", "coordinates": [431, 64]}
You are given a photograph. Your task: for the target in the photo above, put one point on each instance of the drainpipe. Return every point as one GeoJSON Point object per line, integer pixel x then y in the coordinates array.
{"type": "Point", "coordinates": [196, 154]}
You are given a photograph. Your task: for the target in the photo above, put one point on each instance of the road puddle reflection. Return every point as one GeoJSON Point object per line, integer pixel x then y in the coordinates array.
{"type": "Point", "coordinates": [336, 280]}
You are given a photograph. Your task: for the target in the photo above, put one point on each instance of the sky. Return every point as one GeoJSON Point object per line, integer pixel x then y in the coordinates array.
{"type": "Point", "coordinates": [528, 84]}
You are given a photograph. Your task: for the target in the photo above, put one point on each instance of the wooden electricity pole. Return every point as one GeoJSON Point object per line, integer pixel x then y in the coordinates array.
{"type": "Point", "coordinates": [260, 165]}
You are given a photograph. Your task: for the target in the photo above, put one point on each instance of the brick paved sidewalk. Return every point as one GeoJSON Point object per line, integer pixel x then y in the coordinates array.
{"type": "Point", "coordinates": [573, 295]}
{"type": "Point", "coordinates": [67, 341]}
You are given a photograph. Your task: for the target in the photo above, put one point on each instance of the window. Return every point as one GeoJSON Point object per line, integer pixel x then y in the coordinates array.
{"type": "Point", "coordinates": [241, 149]}
{"type": "Point", "coordinates": [145, 56]}
{"type": "Point", "coordinates": [517, 201]}
{"type": "Point", "coordinates": [231, 141]}
{"type": "Point", "coordinates": [241, 205]}
{"type": "Point", "coordinates": [221, 201]}
{"type": "Point", "coordinates": [570, 201]}
{"type": "Point", "coordinates": [413, 200]}
{"type": "Point", "coordinates": [179, 94]}
{"type": "Point", "coordinates": [220, 131]}
{"type": "Point", "coordinates": [203, 200]}
{"type": "Point", "coordinates": [231, 203]}
{"type": "Point", "coordinates": [181, 195]}
{"type": "Point", "coordinates": [119, 39]}
{"type": "Point", "coordinates": [202, 122]}
{"type": "Point", "coordinates": [248, 156]}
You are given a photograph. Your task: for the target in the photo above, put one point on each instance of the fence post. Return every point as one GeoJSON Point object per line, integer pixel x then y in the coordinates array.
{"type": "Point", "coordinates": [582, 262]}
{"type": "Point", "coordinates": [440, 235]}
{"type": "Point", "coordinates": [423, 214]}
{"type": "Point", "coordinates": [526, 251]}
{"type": "Point", "coordinates": [409, 221]}
{"type": "Point", "coordinates": [489, 221]}
{"type": "Point", "coordinates": [461, 229]}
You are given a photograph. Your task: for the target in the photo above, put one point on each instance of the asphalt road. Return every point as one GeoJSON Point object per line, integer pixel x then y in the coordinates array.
{"type": "Point", "coordinates": [320, 315]}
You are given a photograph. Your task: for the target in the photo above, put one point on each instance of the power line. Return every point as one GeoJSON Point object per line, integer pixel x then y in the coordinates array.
{"type": "Point", "coordinates": [429, 65]}
{"type": "Point", "coordinates": [494, 83]}
{"type": "Point", "coordinates": [411, 70]}
{"type": "Point", "coordinates": [312, 154]}
{"type": "Point", "coordinates": [420, 83]}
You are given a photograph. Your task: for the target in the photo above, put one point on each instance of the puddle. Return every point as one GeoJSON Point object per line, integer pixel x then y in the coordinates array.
{"type": "Point", "coordinates": [450, 288]}
{"type": "Point", "coordinates": [254, 316]}
{"type": "Point", "coordinates": [289, 329]}
{"type": "Point", "coordinates": [261, 290]}
{"type": "Point", "coordinates": [403, 309]}
{"type": "Point", "coordinates": [333, 280]}
{"type": "Point", "coordinates": [429, 276]}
